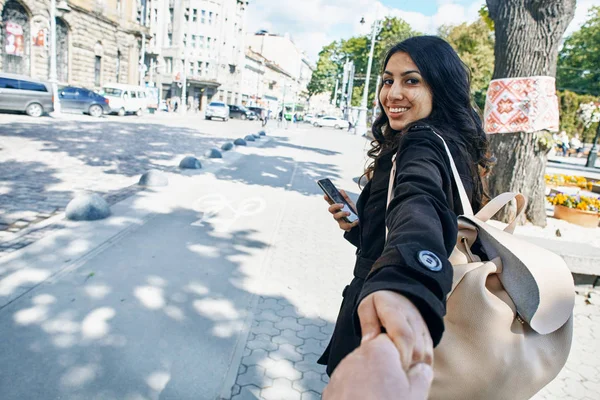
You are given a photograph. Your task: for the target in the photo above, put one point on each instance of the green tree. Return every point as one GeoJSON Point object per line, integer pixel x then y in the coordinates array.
{"type": "Point", "coordinates": [324, 76]}
{"type": "Point", "coordinates": [579, 59]}
{"type": "Point", "coordinates": [333, 56]}
{"type": "Point", "coordinates": [474, 44]}
{"type": "Point", "coordinates": [569, 103]}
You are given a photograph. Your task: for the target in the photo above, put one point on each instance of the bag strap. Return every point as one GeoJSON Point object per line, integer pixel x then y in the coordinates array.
{"type": "Point", "coordinates": [496, 205]}
{"type": "Point", "coordinates": [464, 199]}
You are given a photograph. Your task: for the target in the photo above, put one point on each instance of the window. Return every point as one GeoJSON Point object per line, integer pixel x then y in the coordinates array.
{"type": "Point", "coordinates": [208, 43]}
{"type": "Point", "coordinates": [133, 94]}
{"type": "Point", "coordinates": [169, 64]}
{"type": "Point", "coordinates": [201, 41]}
{"type": "Point", "coordinates": [185, 40]}
{"type": "Point", "coordinates": [156, 15]}
{"type": "Point", "coordinates": [119, 7]}
{"type": "Point", "coordinates": [141, 95]}
{"type": "Point", "coordinates": [199, 67]}
{"type": "Point", "coordinates": [207, 67]}
{"type": "Point", "coordinates": [187, 15]}
{"type": "Point", "coordinates": [6, 83]}
{"type": "Point", "coordinates": [171, 16]}
{"type": "Point", "coordinates": [194, 41]}
{"type": "Point", "coordinates": [170, 39]}
{"type": "Point", "coordinates": [32, 86]}
{"type": "Point", "coordinates": [195, 15]}
{"type": "Point", "coordinates": [112, 92]}
{"type": "Point", "coordinates": [191, 68]}
{"type": "Point", "coordinates": [210, 18]}
{"type": "Point", "coordinates": [97, 70]}
{"type": "Point", "coordinates": [202, 20]}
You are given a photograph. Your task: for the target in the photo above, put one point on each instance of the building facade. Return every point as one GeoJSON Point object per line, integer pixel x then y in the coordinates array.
{"type": "Point", "coordinates": [283, 53]}
{"type": "Point", "coordinates": [199, 44]}
{"type": "Point", "coordinates": [98, 41]}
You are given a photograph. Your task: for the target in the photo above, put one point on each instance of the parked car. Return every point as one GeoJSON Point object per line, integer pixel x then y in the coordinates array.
{"type": "Point", "coordinates": [330, 121]}
{"type": "Point", "coordinates": [82, 100]}
{"type": "Point", "coordinates": [309, 118]}
{"type": "Point", "coordinates": [25, 94]}
{"type": "Point", "coordinates": [124, 99]}
{"type": "Point", "coordinates": [259, 111]}
{"type": "Point", "coordinates": [240, 112]}
{"type": "Point", "coordinates": [217, 109]}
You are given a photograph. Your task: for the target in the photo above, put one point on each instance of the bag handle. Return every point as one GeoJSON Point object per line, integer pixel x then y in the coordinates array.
{"type": "Point", "coordinates": [496, 205]}
{"type": "Point", "coordinates": [464, 199]}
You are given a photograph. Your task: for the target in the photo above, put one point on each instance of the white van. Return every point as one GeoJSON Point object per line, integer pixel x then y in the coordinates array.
{"type": "Point", "coordinates": [124, 99]}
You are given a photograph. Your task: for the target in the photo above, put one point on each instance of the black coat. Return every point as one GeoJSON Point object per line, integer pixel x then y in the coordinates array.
{"type": "Point", "coordinates": [422, 223]}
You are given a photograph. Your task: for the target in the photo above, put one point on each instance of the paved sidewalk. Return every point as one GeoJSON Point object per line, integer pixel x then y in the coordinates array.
{"type": "Point", "coordinates": [172, 299]}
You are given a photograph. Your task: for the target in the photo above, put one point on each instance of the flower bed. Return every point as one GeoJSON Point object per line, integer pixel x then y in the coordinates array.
{"type": "Point", "coordinates": [580, 210]}
{"type": "Point", "coordinates": [568, 180]}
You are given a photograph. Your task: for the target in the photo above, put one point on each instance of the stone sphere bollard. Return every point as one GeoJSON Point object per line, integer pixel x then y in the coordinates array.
{"type": "Point", "coordinates": [87, 207]}
{"type": "Point", "coordinates": [153, 178]}
{"type": "Point", "coordinates": [213, 153]}
{"type": "Point", "coordinates": [190, 162]}
{"type": "Point", "coordinates": [262, 133]}
{"type": "Point", "coordinates": [240, 142]}
{"type": "Point", "coordinates": [249, 138]}
{"type": "Point", "coordinates": [227, 146]}
{"type": "Point", "coordinates": [256, 135]}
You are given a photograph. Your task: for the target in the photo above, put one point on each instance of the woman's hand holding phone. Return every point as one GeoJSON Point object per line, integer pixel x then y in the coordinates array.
{"type": "Point", "coordinates": [339, 215]}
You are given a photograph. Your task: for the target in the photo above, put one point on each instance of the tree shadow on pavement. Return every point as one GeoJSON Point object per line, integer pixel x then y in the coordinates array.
{"type": "Point", "coordinates": [135, 322]}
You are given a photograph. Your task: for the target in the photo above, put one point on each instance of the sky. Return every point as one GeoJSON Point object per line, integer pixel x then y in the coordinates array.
{"type": "Point", "coordinates": [313, 24]}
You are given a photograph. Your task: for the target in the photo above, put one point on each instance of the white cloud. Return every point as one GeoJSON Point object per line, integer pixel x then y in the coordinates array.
{"type": "Point", "coordinates": [581, 12]}
{"type": "Point", "coordinates": [314, 23]}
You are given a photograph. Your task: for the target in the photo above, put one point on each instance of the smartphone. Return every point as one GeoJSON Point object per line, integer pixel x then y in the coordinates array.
{"type": "Point", "coordinates": [335, 196]}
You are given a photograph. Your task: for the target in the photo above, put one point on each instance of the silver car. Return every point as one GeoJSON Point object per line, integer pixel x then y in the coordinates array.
{"type": "Point", "coordinates": [217, 109]}
{"type": "Point", "coordinates": [25, 94]}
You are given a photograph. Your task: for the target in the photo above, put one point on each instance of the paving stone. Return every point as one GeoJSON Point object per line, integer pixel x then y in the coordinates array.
{"type": "Point", "coordinates": [309, 363]}
{"type": "Point", "coordinates": [270, 304]}
{"type": "Point", "coordinates": [281, 390]}
{"type": "Point", "coordinates": [310, 395]}
{"type": "Point", "coordinates": [266, 327]}
{"type": "Point", "coordinates": [255, 375]}
{"type": "Point", "coordinates": [280, 369]}
{"type": "Point", "coordinates": [236, 389]}
{"type": "Point", "coordinates": [268, 315]}
{"type": "Point", "coordinates": [289, 323]}
{"type": "Point", "coordinates": [287, 311]}
{"type": "Point", "coordinates": [249, 392]}
{"type": "Point", "coordinates": [312, 345]}
{"type": "Point", "coordinates": [286, 352]}
{"type": "Point", "coordinates": [312, 331]}
{"type": "Point", "coordinates": [262, 344]}
{"type": "Point", "coordinates": [255, 357]}
{"type": "Point", "coordinates": [288, 336]}
{"type": "Point", "coordinates": [311, 380]}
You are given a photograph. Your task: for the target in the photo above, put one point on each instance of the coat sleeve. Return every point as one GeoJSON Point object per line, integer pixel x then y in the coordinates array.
{"type": "Point", "coordinates": [422, 231]}
{"type": "Point", "coordinates": [353, 236]}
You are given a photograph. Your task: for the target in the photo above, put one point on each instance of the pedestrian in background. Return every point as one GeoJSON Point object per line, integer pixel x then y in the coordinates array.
{"type": "Point", "coordinates": [402, 278]}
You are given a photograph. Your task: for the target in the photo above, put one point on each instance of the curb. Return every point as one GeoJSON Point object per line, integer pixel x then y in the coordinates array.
{"type": "Point", "coordinates": [19, 240]}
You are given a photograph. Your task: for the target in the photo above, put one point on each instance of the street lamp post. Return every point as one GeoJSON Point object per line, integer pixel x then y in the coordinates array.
{"type": "Point", "coordinates": [593, 155]}
{"type": "Point", "coordinates": [361, 124]}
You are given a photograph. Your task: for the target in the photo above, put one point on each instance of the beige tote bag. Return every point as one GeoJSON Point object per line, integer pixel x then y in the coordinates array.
{"type": "Point", "coordinates": [509, 321]}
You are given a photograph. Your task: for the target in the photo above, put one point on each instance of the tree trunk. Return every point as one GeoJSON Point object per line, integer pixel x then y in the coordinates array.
{"type": "Point", "coordinates": [528, 34]}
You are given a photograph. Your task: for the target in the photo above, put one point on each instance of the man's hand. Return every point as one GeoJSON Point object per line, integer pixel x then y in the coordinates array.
{"type": "Point", "coordinates": [403, 324]}
{"type": "Point", "coordinates": [374, 372]}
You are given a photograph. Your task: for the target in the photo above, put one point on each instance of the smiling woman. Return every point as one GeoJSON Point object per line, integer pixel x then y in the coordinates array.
{"type": "Point", "coordinates": [408, 219]}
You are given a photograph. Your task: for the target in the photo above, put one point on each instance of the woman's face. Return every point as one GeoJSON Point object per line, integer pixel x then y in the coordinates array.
{"type": "Point", "coordinates": [405, 96]}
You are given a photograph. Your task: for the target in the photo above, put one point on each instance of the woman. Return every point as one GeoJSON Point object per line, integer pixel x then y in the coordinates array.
{"type": "Point", "coordinates": [400, 283]}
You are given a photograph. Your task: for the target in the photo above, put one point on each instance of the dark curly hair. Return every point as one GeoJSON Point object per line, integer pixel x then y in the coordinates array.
{"type": "Point", "coordinates": [454, 116]}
